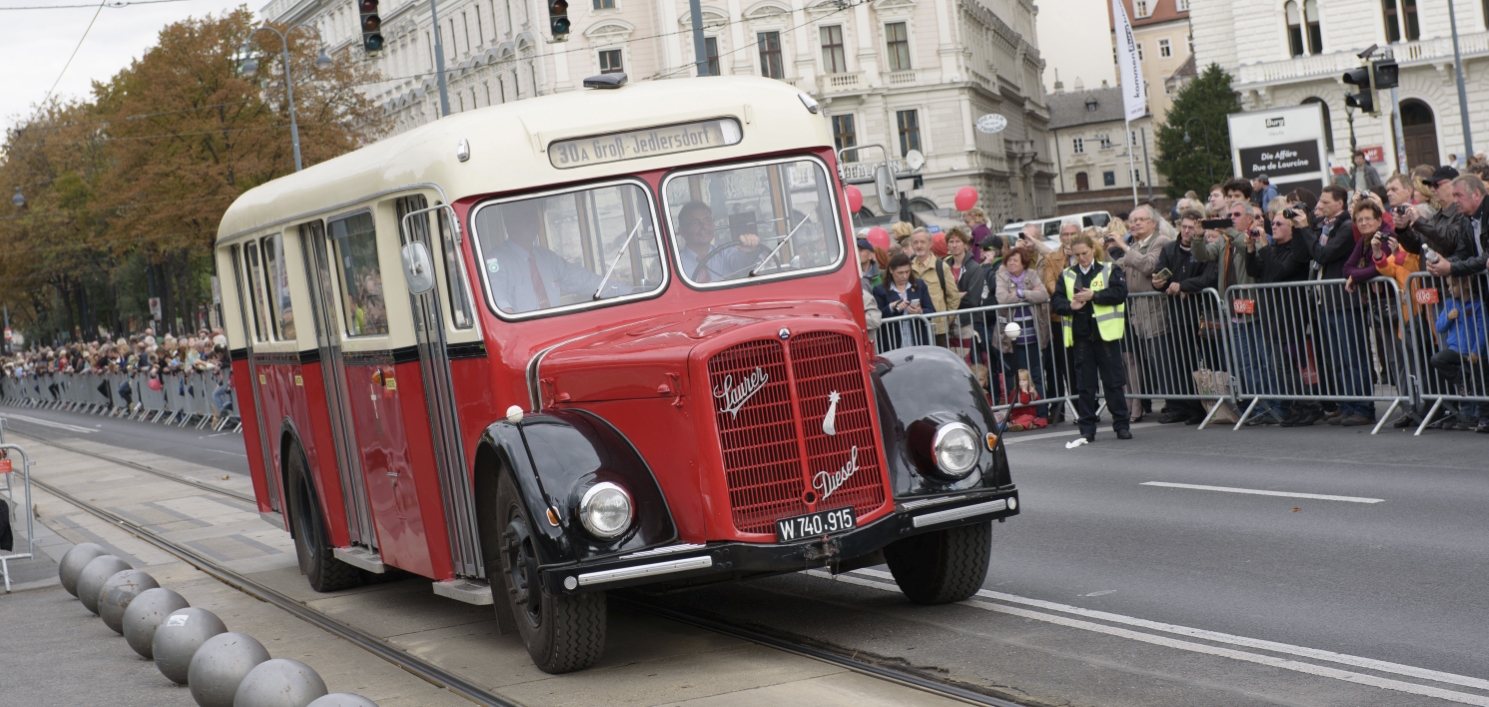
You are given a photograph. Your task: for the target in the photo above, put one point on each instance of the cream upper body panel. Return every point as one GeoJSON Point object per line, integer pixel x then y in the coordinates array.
{"type": "Point", "coordinates": [509, 144]}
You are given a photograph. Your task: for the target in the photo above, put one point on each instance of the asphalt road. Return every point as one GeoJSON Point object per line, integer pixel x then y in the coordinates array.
{"type": "Point", "coordinates": [1114, 587]}
{"type": "Point", "coordinates": [222, 450]}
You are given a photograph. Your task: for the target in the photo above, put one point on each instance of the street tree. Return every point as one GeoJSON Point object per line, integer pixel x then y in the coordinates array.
{"type": "Point", "coordinates": [1200, 107]}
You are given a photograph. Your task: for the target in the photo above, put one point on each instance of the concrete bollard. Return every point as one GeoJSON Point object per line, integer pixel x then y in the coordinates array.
{"type": "Point", "coordinates": [93, 576]}
{"type": "Point", "coordinates": [342, 699]}
{"type": "Point", "coordinates": [280, 683]}
{"type": "Point", "coordinates": [145, 613]}
{"type": "Point", "coordinates": [118, 592]}
{"type": "Point", "coordinates": [220, 665]}
{"type": "Point", "coordinates": [74, 561]}
{"type": "Point", "coordinates": [178, 637]}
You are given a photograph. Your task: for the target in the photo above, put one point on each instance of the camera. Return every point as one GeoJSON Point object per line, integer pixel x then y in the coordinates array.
{"type": "Point", "coordinates": [1290, 214]}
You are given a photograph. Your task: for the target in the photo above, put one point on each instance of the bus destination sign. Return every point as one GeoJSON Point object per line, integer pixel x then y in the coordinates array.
{"type": "Point", "coordinates": [648, 142]}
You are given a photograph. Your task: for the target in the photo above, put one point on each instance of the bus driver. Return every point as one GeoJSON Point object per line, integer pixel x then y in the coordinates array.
{"type": "Point", "coordinates": [696, 228]}
{"type": "Point", "coordinates": [526, 276]}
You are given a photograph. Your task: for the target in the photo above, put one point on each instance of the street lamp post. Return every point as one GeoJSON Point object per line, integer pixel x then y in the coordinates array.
{"type": "Point", "coordinates": [251, 66]}
{"type": "Point", "coordinates": [1209, 163]}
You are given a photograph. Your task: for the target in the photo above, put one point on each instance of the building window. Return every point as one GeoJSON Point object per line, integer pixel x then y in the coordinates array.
{"type": "Point", "coordinates": [897, 37]}
{"type": "Point", "coordinates": [1106, 141]}
{"type": "Point", "coordinates": [843, 136]}
{"type": "Point", "coordinates": [1164, 50]}
{"type": "Point", "coordinates": [1315, 33]}
{"type": "Point", "coordinates": [1137, 176]}
{"type": "Point", "coordinates": [1109, 179]}
{"type": "Point", "coordinates": [770, 55]}
{"type": "Point", "coordinates": [1394, 12]}
{"type": "Point", "coordinates": [1082, 182]}
{"type": "Point", "coordinates": [610, 61]}
{"type": "Point", "coordinates": [1139, 51]}
{"type": "Point", "coordinates": [834, 59]}
{"type": "Point", "coordinates": [604, 4]}
{"type": "Point", "coordinates": [1078, 145]}
{"type": "Point", "coordinates": [1140, 8]}
{"type": "Point", "coordinates": [711, 52]}
{"type": "Point", "coordinates": [909, 124]}
{"type": "Point", "coordinates": [1182, 5]}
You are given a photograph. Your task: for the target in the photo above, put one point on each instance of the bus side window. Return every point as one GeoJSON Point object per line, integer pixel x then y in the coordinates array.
{"type": "Point", "coordinates": [279, 288]}
{"type": "Point", "coordinates": [361, 275]}
{"type": "Point", "coordinates": [256, 295]}
{"type": "Point", "coordinates": [456, 281]}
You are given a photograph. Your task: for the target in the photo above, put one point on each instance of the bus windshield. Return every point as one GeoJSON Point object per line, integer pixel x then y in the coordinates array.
{"type": "Point", "coordinates": [741, 222]}
{"type": "Point", "coordinates": [568, 249]}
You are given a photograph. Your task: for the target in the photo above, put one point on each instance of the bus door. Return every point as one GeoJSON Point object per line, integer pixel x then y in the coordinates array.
{"type": "Point", "coordinates": [333, 370]}
{"type": "Point", "coordinates": [434, 333]}
{"type": "Point", "coordinates": [252, 325]}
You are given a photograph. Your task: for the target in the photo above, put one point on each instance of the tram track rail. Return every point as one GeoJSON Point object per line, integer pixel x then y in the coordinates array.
{"type": "Point", "coordinates": [432, 673]}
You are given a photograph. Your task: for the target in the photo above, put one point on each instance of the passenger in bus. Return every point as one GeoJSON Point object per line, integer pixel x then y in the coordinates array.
{"type": "Point", "coordinates": [525, 276]}
{"type": "Point", "coordinates": [695, 226]}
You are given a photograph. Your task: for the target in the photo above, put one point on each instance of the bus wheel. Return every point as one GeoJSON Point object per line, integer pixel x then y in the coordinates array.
{"type": "Point", "coordinates": [941, 566]}
{"type": "Point", "coordinates": [312, 541]}
{"type": "Point", "coordinates": [562, 633]}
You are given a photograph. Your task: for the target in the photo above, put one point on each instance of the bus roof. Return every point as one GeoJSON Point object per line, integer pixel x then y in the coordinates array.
{"type": "Point", "coordinates": [508, 145]}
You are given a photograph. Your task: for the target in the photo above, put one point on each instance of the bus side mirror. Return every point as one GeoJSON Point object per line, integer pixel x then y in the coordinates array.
{"type": "Point", "coordinates": [884, 183]}
{"type": "Point", "coordinates": [418, 269]}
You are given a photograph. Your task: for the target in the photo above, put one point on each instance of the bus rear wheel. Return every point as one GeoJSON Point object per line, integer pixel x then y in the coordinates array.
{"type": "Point", "coordinates": [312, 540]}
{"type": "Point", "coordinates": [941, 566]}
{"type": "Point", "coordinates": [562, 633]}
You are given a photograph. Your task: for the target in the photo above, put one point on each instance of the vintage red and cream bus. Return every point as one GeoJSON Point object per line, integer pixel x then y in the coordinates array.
{"type": "Point", "coordinates": [600, 339]}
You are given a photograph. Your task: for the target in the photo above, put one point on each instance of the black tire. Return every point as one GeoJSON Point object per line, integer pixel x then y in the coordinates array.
{"type": "Point", "coordinates": [562, 633]}
{"type": "Point", "coordinates": [312, 541]}
{"type": "Point", "coordinates": [941, 566]}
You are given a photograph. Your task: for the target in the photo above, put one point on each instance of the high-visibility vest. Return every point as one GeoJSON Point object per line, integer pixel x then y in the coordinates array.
{"type": "Point", "coordinates": [1111, 320]}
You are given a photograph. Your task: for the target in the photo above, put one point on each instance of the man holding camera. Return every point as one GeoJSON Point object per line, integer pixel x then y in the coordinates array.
{"type": "Point", "coordinates": [1231, 250]}
{"type": "Point", "coordinates": [1180, 275]}
{"type": "Point", "coordinates": [1446, 233]}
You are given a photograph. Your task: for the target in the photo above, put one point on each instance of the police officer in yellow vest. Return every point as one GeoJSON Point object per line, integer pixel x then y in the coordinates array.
{"type": "Point", "coordinates": [1091, 301]}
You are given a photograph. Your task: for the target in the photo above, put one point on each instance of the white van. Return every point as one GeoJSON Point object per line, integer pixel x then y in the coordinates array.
{"type": "Point", "coordinates": [1050, 227]}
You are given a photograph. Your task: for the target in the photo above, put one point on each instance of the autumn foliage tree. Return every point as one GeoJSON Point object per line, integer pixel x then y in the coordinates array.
{"type": "Point", "coordinates": [125, 190]}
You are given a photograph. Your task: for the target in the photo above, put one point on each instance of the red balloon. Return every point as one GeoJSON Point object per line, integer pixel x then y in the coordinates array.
{"type": "Point", "coordinates": [938, 244]}
{"type": "Point", "coordinates": [966, 198]}
{"type": "Point", "coordinates": [878, 237]}
{"type": "Point", "coordinates": [855, 198]}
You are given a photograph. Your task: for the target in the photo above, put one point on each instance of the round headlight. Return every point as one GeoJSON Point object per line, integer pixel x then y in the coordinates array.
{"type": "Point", "coordinates": [605, 510]}
{"type": "Point", "coordinates": [956, 449]}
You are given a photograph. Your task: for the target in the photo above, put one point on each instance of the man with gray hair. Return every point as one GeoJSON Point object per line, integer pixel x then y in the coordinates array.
{"type": "Point", "coordinates": [1137, 255]}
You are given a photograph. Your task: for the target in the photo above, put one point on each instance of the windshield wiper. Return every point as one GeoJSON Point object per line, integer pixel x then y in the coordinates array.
{"type": "Point", "coordinates": [616, 260]}
{"type": "Point", "coordinates": [777, 249]}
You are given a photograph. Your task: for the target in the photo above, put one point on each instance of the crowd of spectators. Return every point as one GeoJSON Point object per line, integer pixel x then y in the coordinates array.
{"type": "Point", "coordinates": [159, 362]}
{"type": "Point", "coordinates": [1434, 220]}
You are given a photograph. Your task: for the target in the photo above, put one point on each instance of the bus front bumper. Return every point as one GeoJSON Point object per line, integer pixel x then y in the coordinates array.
{"type": "Point", "coordinates": [689, 562]}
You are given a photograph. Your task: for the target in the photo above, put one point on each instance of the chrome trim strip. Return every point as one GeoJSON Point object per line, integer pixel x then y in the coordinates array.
{"type": "Point", "coordinates": [951, 514]}
{"type": "Point", "coordinates": [651, 570]}
{"type": "Point", "coordinates": [664, 550]}
{"type": "Point", "coordinates": [922, 503]}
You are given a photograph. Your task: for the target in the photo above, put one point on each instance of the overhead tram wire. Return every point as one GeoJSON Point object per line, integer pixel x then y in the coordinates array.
{"type": "Point", "coordinates": [74, 53]}
{"type": "Point", "coordinates": [111, 5]}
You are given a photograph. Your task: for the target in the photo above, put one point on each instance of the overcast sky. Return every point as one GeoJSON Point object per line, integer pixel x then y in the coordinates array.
{"type": "Point", "coordinates": [1075, 37]}
{"type": "Point", "coordinates": [35, 44]}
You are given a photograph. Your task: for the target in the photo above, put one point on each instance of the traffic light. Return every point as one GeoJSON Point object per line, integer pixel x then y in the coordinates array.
{"type": "Point", "coordinates": [372, 25]}
{"type": "Point", "coordinates": [1365, 99]}
{"type": "Point", "coordinates": [1387, 74]}
{"type": "Point", "coordinates": [558, 19]}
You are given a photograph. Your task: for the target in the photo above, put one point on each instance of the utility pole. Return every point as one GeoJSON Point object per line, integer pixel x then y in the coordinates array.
{"type": "Point", "coordinates": [439, 61]}
{"type": "Point", "coordinates": [1147, 164]}
{"type": "Point", "coordinates": [700, 47]}
{"type": "Point", "coordinates": [1401, 166]}
{"type": "Point", "coordinates": [1458, 74]}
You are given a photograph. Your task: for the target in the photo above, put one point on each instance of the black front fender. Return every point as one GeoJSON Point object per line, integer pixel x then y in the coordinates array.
{"type": "Point", "coordinates": [553, 458]}
{"type": "Point", "coordinates": [914, 383]}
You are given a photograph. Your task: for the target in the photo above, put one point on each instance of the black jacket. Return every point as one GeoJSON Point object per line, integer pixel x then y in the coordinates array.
{"type": "Point", "coordinates": [1447, 232]}
{"type": "Point", "coordinates": [1330, 255]}
{"type": "Point", "coordinates": [1191, 274]}
{"type": "Point", "coordinates": [1115, 293]}
{"type": "Point", "coordinates": [1287, 262]}
{"type": "Point", "coordinates": [973, 277]}
{"type": "Point", "coordinates": [1470, 257]}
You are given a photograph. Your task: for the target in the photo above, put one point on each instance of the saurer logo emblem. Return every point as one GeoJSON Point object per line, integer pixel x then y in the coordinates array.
{"type": "Point", "coordinates": [826, 483]}
{"type": "Point", "coordinates": [733, 397]}
{"type": "Point", "coordinates": [828, 423]}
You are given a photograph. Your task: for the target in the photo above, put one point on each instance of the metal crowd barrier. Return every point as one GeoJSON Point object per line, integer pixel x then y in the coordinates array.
{"type": "Point", "coordinates": [1002, 362]}
{"type": "Point", "coordinates": [8, 469]}
{"type": "Point", "coordinates": [183, 398]}
{"type": "Point", "coordinates": [1178, 348]}
{"type": "Point", "coordinates": [1450, 371]}
{"type": "Point", "coordinates": [1307, 343]}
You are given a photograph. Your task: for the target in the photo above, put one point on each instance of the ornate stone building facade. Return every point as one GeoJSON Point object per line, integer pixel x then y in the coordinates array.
{"type": "Point", "coordinates": [906, 74]}
{"type": "Point", "coordinates": [1293, 51]}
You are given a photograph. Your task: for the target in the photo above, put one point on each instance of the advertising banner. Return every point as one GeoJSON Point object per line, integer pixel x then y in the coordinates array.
{"type": "Point", "coordinates": [1286, 144]}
